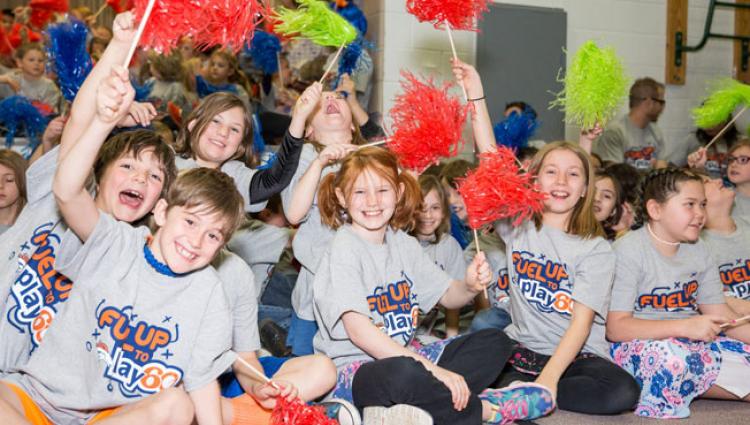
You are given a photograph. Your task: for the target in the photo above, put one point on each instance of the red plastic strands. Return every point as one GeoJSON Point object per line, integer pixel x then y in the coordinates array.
{"type": "Point", "coordinates": [427, 123]}
{"type": "Point", "coordinates": [119, 6]}
{"type": "Point", "coordinates": [298, 413]}
{"type": "Point", "coordinates": [169, 20]}
{"type": "Point", "coordinates": [497, 189]}
{"type": "Point", "coordinates": [230, 23]}
{"type": "Point", "coordinates": [460, 14]}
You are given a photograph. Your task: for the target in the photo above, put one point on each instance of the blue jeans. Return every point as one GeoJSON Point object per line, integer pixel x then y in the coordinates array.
{"type": "Point", "coordinates": [300, 338]}
{"type": "Point", "coordinates": [280, 315]}
{"type": "Point", "coordinates": [230, 385]}
{"type": "Point", "coordinates": [492, 318]}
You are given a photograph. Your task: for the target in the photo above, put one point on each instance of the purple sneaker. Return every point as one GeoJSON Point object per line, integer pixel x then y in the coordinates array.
{"type": "Point", "coordinates": [519, 401]}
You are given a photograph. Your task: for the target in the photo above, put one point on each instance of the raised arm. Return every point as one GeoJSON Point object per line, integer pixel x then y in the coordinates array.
{"type": "Point", "coordinates": [481, 123]}
{"type": "Point", "coordinates": [113, 98]}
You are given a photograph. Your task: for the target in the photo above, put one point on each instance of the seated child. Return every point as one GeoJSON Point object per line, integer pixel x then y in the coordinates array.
{"type": "Point", "coordinates": [12, 187]}
{"type": "Point", "coordinates": [29, 80]}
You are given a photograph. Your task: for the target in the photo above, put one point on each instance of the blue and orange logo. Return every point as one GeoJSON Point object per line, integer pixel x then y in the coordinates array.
{"type": "Point", "coordinates": [736, 278]}
{"type": "Point", "coordinates": [543, 283]}
{"type": "Point", "coordinates": [397, 305]}
{"type": "Point", "coordinates": [679, 297]}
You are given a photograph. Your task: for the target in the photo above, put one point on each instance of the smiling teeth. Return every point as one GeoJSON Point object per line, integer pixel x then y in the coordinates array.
{"type": "Point", "coordinates": [558, 193]}
{"type": "Point", "coordinates": [185, 253]}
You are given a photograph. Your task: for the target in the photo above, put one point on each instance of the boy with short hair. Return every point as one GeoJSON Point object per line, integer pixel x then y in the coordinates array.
{"type": "Point", "coordinates": [146, 313]}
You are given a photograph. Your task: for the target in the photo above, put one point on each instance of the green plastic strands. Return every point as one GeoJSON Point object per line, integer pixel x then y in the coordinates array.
{"type": "Point", "coordinates": [725, 96]}
{"type": "Point", "coordinates": [595, 86]}
{"type": "Point", "coordinates": [316, 21]}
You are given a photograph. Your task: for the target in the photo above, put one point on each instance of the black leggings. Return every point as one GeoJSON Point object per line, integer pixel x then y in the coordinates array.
{"type": "Point", "coordinates": [478, 357]}
{"type": "Point", "coordinates": [590, 385]}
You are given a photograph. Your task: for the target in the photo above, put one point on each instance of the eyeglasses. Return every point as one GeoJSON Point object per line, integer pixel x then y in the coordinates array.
{"type": "Point", "coordinates": [742, 159]}
{"type": "Point", "coordinates": [659, 101]}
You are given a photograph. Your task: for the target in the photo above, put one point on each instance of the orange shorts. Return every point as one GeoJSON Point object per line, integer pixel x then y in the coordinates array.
{"type": "Point", "coordinates": [34, 414]}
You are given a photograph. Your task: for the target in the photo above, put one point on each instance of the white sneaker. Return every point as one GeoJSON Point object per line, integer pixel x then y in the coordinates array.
{"type": "Point", "coordinates": [400, 414]}
{"type": "Point", "coordinates": [343, 411]}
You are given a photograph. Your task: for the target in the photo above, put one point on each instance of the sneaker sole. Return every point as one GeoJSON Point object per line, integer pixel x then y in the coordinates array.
{"type": "Point", "coordinates": [400, 414]}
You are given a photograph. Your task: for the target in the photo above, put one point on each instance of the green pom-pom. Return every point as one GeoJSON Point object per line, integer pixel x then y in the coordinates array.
{"type": "Point", "coordinates": [595, 85]}
{"type": "Point", "coordinates": [316, 21]}
{"type": "Point", "coordinates": [726, 95]}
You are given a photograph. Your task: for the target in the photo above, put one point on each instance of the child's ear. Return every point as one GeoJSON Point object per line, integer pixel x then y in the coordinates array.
{"type": "Point", "coordinates": [309, 132]}
{"type": "Point", "coordinates": [18, 63]}
{"type": "Point", "coordinates": [340, 196]}
{"type": "Point", "coordinates": [160, 212]}
{"type": "Point", "coordinates": [653, 209]}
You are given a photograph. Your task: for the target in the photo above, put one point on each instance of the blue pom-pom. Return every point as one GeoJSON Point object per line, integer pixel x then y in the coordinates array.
{"type": "Point", "coordinates": [349, 58]}
{"type": "Point", "coordinates": [259, 145]}
{"type": "Point", "coordinates": [263, 50]}
{"type": "Point", "coordinates": [17, 111]}
{"type": "Point", "coordinates": [267, 160]}
{"type": "Point", "coordinates": [68, 56]}
{"type": "Point", "coordinates": [142, 92]}
{"type": "Point", "coordinates": [204, 88]}
{"type": "Point", "coordinates": [515, 130]}
{"type": "Point", "coordinates": [355, 16]}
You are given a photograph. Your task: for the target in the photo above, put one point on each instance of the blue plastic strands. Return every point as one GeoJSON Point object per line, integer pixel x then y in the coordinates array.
{"type": "Point", "coordinates": [17, 111]}
{"type": "Point", "coordinates": [68, 56]}
{"type": "Point", "coordinates": [259, 145]}
{"type": "Point", "coordinates": [349, 57]}
{"type": "Point", "coordinates": [264, 49]}
{"type": "Point", "coordinates": [205, 88]}
{"type": "Point", "coordinates": [267, 160]}
{"type": "Point", "coordinates": [355, 16]}
{"type": "Point", "coordinates": [142, 92]}
{"type": "Point", "coordinates": [515, 130]}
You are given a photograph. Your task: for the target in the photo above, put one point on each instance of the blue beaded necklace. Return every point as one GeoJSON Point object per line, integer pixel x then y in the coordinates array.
{"type": "Point", "coordinates": [158, 265]}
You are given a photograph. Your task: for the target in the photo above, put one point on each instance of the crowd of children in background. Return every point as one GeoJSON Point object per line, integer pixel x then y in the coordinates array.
{"type": "Point", "coordinates": [361, 283]}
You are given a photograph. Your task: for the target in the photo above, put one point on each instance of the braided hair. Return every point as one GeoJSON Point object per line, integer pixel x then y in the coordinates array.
{"type": "Point", "coordinates": [659, 185]}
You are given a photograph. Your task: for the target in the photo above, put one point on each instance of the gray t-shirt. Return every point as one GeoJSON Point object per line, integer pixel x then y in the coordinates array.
{"type": "Point", "coordinates": [494, 251]}
{"type": "Point", "coordinates": [260, 246]}
{"type": "Point", "coordinates": [677, 153]}
{"type": "Point", "coordinates": [389, 283]}
{"type": "Point", "coordinates": [741, 208]}
{"type": "Point", "coordinates": [32, 291]}
{"type": "Point", "coordinates": [447, 254]}
{"type": "Point", "coordinates": [4, 228]}
{"type": "Point", "coordinates": [163, 92]}
{"type": "Point", "coordinates": [312, 236]}
{"type": "Point", "coordinates": [127, 331]}
{"type": "Point", "coordinates": [42, 90]}
{"type": "Point", "coordinates": [242, 300]}
{"type": "Point", "coordinates": [622, 141]}
{"type": "Point", "coordinates": [238, 171]}
{"type": "Point", "coordinates": [550, 270]}
{"type": "Point", "coordinates": [732, 254]}
{"type": "Point", "coordinates": [655, 287]}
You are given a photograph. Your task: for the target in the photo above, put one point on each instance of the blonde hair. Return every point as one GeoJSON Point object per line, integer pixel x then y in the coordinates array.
{"type": "Point", "coordinates": [18, 165]}
{"type": "Point", "coordinates": [582, 221]}
{"type": "Point", "coordinates": [237, 76]}
{"type": "Point", "coordinates": [210, 191]}
{"type": "Point", "coordinates": [380, 162]}
{"type": "Point", "coordinates": [429, 183]}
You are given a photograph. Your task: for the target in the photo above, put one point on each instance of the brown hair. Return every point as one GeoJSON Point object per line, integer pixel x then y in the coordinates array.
{"type": "Point", "coordinates": [428, 183]}
{"type": "Point", "coordinates": [237, 76]}
{"type": "Point", "coordinates": [18, 164]}
{"type": "Point", "coordinates": [169, 67]}
{"type": "Point", "coordinates": [644, 89]}
{"type": "Point", "coordinates": [582, 221]}
{"type": "Point", "coordinates": [454, 170]}
{"type": "Point", "coordinates": [742, 143]}
{"type": "Point", "coordinates": [209, 107]}
{"type": "Point", "coordinates": [660, 185]}
{"type": "Point", "coordinates": [619, 201]}
{"type": "Point", "coordinates": [381, 162]}
{"type": "Point", "coordinates": [26, 48]}
{"type": "Point", "coordinates": [211, 191]}
{"type": "Point", "coordinates": [134, 143]}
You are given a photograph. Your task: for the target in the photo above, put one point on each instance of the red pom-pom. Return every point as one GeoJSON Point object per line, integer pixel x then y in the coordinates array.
{"type": "Point", "coordinates": [119, 6]}
{"type": "Point", "coordinates": [497, 189]}
{"type": "Point", "coordinates": [298, 413]}
{"type": "Point", "coordinates": [427, 123]}
{"type": "Point", "coordinates": [230, 23]}
{"type": "Point", "coordinates": [169, 20]}
{"type": "Point", "coordinates": [43, 10]}
{"type": "Point", "coordinates": [460, 14]}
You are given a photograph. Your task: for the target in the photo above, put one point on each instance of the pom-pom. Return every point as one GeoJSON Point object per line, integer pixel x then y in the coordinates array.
{"type": "Point", "coordinates": [350, 57]}
{"type": "Point", "coordinates": [497, 189]}
{"type": "Point", "coordinates": [298, 413]}
{"type": "Point", "coordinates": [264, 50]}
{"type": "Point", "coordinates": [68, 55]}
{"type": "Point", "coordinates": [174, 112]}
{"type": "Point", "coordinates": [17, 111]}
{"type": "Point", "coordinates": [460, 14]}
{"type": "Point", "coordinates": [169, 20]}
{"type": "Point", "coordinates": [229, 23]}
{"type": "Point", "coordinates": [42, 11]}
{"type": "Point", "coordinates": [142, 92]}
{"type": "Point", "coordinates": [313, 19]}
{"type": "Point", "coordinates": [515, 130]}
{"type": "Point", "coordinates": [595, 85]}
{"type": "Point", "coordinates": [259, 144]}
{"type": "Point", "coordinates": [119, 6]}
{"type": "Point", "coordinates": [204, 88]}
{"type": "Point", "coordinates": [725, 96]}
{"type": "Point", "coordinates": [427, 123]}
{"type": "Point", "coordinates": [354, 16]}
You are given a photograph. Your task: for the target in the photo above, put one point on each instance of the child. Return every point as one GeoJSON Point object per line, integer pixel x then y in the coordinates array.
{"type": "Point", "coordinates": [225, 75]}
{"type": "Point", "coordinates": [12, 187]}
{"type": "Point", "coordinates": [738, 173]}
{"type": "Point", "coordinates": [608, 202]}
{"type": "Point", "coordinates": [728, 240]}
{"type": "Point", "coordinates": [29, 81]}
{"type": "Point", "coordinates": [448, 175]}
{"type": "Point", "coordinates": [217, 135]}
{"type": "Point", "coordinates": [629, 178]}
{"type": "Point", "coordinates": [667, 304]}
{"type": "Point", "coordinates": [332, 134]}
{"type": "Point", "coordinates": [432, 233]}
{"type": "Point", "coordinates": [372, 281]}
{"type": "Point", "coordinates": [713, 160]}
{"type": "Point", "coordinates": [168, 79]}
{"type": "Point", "coordinates": [561, 271]}
{"type": "Point", "coordinates": [497, 316]}
{"type": "Point", "coordinates": [157, 312]}
{"type": "Point", "coordinates": [132, 171]}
